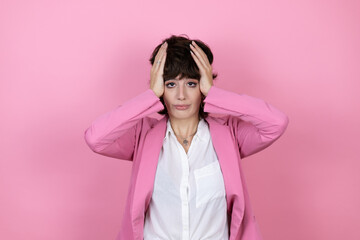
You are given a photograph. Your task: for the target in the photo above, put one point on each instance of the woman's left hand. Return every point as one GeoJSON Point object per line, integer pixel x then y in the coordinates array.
{"type": "Point", "coordinates": [205, 68]}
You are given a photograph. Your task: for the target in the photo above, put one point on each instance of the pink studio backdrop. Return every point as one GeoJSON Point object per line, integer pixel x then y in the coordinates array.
{"type": "Point", "coordinates": [63, 63]}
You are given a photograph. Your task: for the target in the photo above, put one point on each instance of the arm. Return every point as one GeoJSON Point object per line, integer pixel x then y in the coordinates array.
{"type": "Point", "coordinates": [256, 123]}
{"type": "Point", "coordinates": [116, 133]}
{"type": "Point", "coordinates": [113, 134]}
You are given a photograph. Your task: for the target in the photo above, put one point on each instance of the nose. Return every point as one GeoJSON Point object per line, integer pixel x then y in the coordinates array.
{"type": "Point", "coordinates": [181, 92]}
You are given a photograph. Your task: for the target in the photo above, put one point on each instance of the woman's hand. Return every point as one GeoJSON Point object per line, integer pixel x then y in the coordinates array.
{"type": "Point", "coordinates": [157, 70]}
{"type": "Point", "coordinates": [205, 68]}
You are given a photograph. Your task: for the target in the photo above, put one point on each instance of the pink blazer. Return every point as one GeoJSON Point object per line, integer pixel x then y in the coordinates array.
{"type": "Point", "coordinates": [244, 125]}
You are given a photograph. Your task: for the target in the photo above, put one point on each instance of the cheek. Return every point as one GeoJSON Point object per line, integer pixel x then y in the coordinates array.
{"type": "Point", "coordinates": [198, 97]}
{"type": "Point", "coordinates": [166, 99]}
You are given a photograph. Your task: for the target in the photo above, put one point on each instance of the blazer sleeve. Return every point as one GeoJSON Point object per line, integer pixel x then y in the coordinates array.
{"type": "Point", "coordinates": [256, 123]}
{"type": "Point", "coordinates": [114, 134]}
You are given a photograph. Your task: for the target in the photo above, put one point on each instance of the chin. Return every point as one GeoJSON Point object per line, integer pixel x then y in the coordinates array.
{"type": "Point", "coordinates": [183, 115]}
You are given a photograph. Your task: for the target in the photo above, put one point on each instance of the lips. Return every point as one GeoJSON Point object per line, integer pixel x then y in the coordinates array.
{"type": "Point", "coordinates": [181, 107]}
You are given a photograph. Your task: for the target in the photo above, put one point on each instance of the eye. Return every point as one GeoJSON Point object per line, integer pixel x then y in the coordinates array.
{"type": "Point", "coordinates": [170, 84]}
{"type": "Point", "coordinates": [192, 84]}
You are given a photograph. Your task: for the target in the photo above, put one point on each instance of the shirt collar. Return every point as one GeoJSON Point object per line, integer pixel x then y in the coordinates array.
{"type": "Point", "coordinates": [201, 133]}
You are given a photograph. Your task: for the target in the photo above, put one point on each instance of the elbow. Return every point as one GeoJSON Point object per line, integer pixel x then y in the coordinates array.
{"type": "Point", "coordinates": [283, 124]}
{"type": "Point", "coordinates": [90, 140]}
{"type": "Point", "coordinates": [277, 129]}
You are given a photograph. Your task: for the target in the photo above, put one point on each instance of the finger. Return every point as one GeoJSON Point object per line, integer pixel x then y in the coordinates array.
{"type": "Point", "coordinates": [199, 57]}
{"type": "Point", "coordinates": [197, 61]}
{"type": "Point", "coordinates": [159, 53]}
{"type": "Point", "coordinates": [158, 57]}
{"type": "Point", "coordinates": [162, 63]}
{"type": "Point", "coordinates": [203, 57]}
{"type": "Point", "coordinates": [203, 54]}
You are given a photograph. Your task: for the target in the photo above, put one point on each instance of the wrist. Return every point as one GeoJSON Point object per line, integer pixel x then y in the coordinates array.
{"type": "Point", "coordinates": [207, 90]}
{"type": "Point", "coordinates": [156, 94]}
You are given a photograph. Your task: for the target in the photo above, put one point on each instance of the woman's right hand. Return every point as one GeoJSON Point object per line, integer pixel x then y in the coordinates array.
{"type": "Point", "coordinates": [157, 70]}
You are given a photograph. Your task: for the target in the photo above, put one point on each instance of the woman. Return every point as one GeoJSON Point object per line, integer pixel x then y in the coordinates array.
{"type": "Point", "coordinates": [186, 180]}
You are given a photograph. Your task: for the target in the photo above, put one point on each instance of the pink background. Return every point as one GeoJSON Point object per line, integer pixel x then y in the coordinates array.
{"type": "Point", "coordinates": [63, 63]}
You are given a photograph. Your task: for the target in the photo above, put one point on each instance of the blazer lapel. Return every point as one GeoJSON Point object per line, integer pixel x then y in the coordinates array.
{"type": "Point", "coordinates": [228, 156]}
{"type": "Point", "coordinates": [146, 175]}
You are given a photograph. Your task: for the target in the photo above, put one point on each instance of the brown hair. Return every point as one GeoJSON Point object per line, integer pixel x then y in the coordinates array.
{"type": "Point", "coordinates": [179, 61]}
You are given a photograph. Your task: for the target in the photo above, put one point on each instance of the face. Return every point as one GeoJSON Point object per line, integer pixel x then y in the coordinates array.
{"type": "Point", "coordinates": [182, 97]}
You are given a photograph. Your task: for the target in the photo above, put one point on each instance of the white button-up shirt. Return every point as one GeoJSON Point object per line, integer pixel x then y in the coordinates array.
{"type": "Point", "coordinates": [188, 200]}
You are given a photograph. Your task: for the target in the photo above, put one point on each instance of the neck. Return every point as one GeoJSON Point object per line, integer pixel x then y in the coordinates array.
{"type": "Point", "coordinates": [184, 127]}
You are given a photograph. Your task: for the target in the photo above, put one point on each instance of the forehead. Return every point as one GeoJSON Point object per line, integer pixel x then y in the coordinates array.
{"type": "Point", "coordinates": [184, 79]}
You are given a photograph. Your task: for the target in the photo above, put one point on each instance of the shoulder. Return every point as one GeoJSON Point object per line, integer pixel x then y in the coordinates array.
{"type": "Point", "coordinates": [234, 124]}
{"type": "Point", "coordinates": [148, 123]}
{"type": "Point", "coordinates": [226, 120]}
{"type": "Point", "coordinates": [217, 118]}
